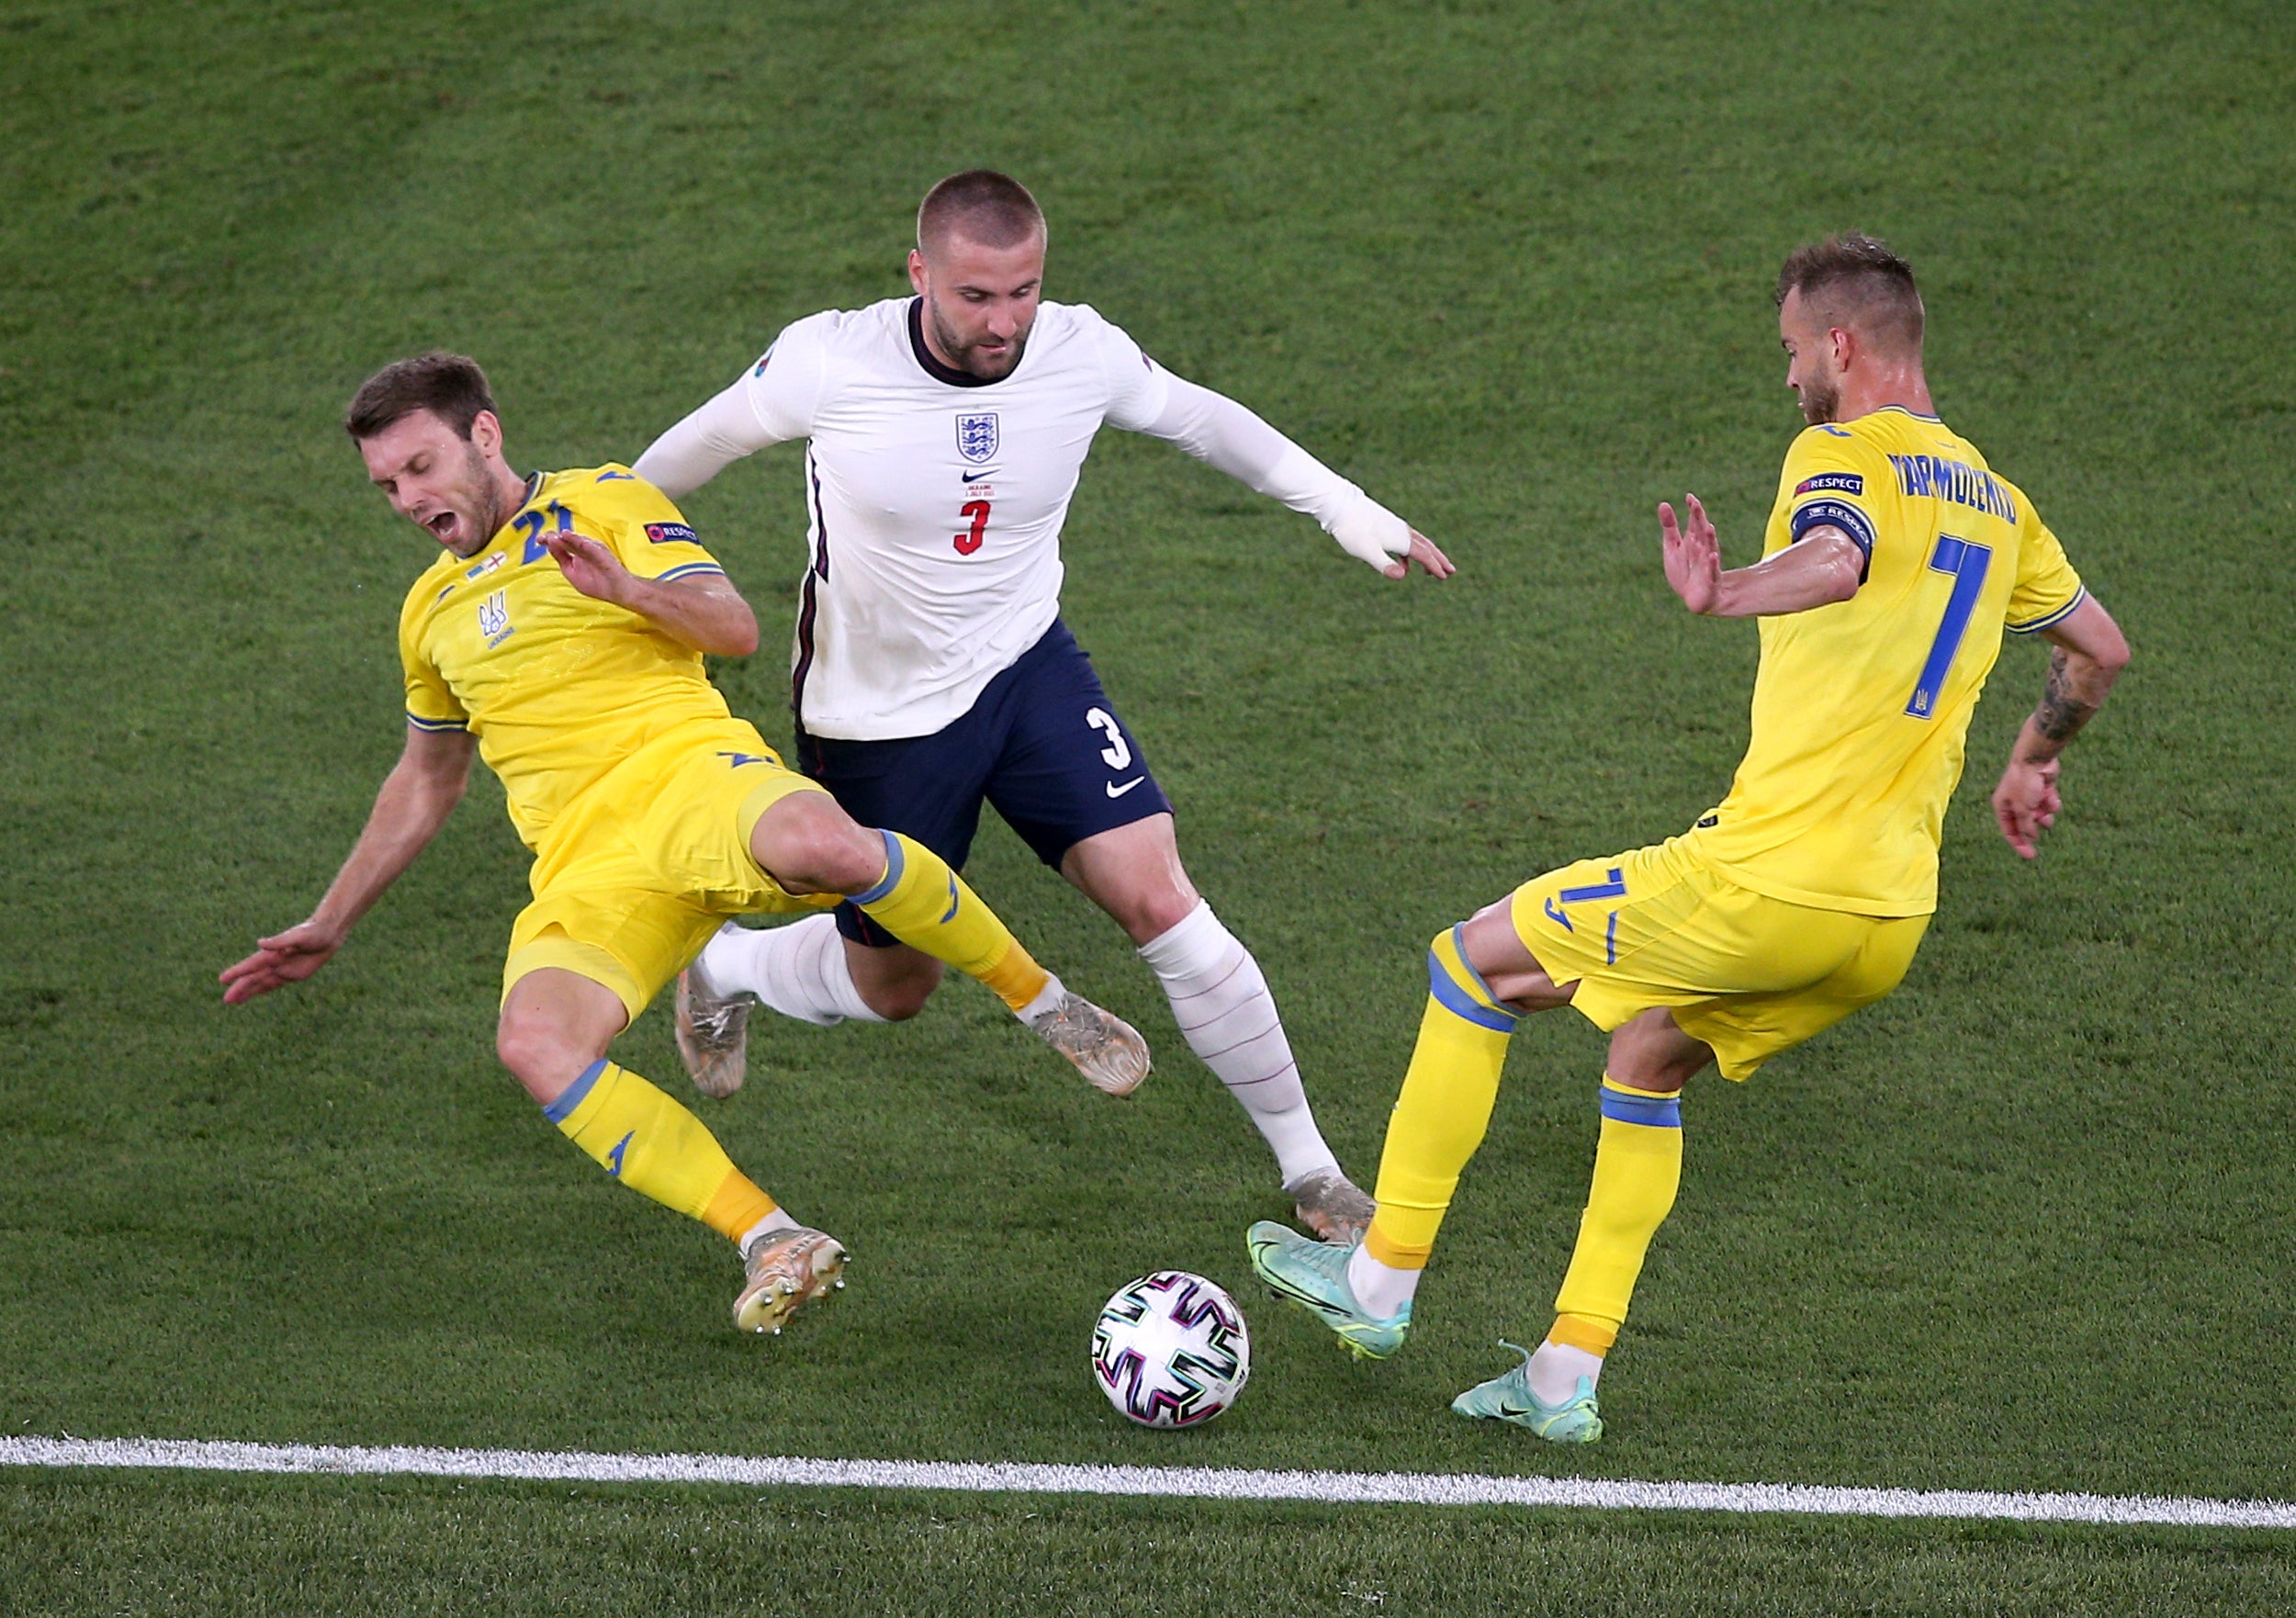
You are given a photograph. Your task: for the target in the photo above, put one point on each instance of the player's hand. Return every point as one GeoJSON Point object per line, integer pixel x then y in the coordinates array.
{"type": "Point", "coordinates": [1693, 556]}
{"type": "Point", "coordinates": [1422, 551]}
{"type": "Point", "coordinates": [2026, 803]}
{"type": "Point", "coordinates": [286, 958]}
{"type": "Point", "coordinates": [588, 567]}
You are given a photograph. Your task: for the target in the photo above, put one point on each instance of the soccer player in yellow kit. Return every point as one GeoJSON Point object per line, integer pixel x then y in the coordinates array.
{"type": "Point", "coordinates": [1893, 561]}
{"type": "Point", "coordinates": [561, 637]}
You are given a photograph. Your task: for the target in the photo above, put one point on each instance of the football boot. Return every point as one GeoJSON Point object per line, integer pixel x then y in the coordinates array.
{"type": "Point", "coordinates": [1329, 1204]}
{"type": "Point", "coordinates": [1313, 1274]}
{"type": "Point", "coordinates": [1105, 1049]}
{"type": "Point", "coordinates": [1508, 1398]}
{"type": "Point", "coordinates": [713, 1035]}
{"type": "Point", "coordinates": [787, 1270]}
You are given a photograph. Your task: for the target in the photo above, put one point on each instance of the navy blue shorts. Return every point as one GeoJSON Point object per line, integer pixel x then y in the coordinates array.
{"type": "Point", "coordinates": [1041, 744]}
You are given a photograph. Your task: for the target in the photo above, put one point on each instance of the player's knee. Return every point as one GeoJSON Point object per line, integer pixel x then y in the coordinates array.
{"type": "Point", "coordinates": [1155, 910]}
{"type": "Point", "coordinates": [539, 1054]}
{"type": "Point", "coordinates": [810, 846]}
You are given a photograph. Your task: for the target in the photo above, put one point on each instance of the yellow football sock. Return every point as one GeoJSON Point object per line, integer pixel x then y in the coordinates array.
{"type": "Point", "coordinates": [927, 905]}
{"type": "Point", "coordinates": [1444, 1108]}
{"type": "Point", "coordinates": [1637, 1170]}
{"type": "Point", "coordinates": [655, 1147]}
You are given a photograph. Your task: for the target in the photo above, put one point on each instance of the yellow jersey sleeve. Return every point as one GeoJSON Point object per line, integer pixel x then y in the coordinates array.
{"type": "Point", "coordinates": [2047, 588]}
{"type": "Point", "coordinates": [642, 526]}
{"type": "Point", "coordinates": [431, 703]}
{"type": "Point", "coordinates": [1831, 478]}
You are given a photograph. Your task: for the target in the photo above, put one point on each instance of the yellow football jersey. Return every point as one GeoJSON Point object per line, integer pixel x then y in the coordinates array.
{"type": "Point", "coordinates": [1860, 708]}
{"type": "Point", "coordinates": [557, 688]}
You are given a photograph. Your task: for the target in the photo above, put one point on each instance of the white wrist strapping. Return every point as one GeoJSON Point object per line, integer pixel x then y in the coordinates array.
{"type": "Point", "coordinates": [1368, 531]}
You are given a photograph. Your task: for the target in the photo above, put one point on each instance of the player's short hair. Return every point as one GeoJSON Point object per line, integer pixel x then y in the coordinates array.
{"type": "Point", "coordinates": [451, 386]}
{"type": "Point", "coordinates": [982, 206]}
{"type": "Point", "coordinates": [1857, 276]}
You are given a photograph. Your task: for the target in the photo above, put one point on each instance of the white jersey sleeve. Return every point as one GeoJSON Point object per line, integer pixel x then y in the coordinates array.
{"type": "Point", "coordinates": [772, 402]}
{"type": "Point", "coordinates": [1146, 397]}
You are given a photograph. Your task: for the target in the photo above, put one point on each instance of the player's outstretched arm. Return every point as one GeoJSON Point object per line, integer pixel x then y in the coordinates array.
{"type": "Point", "coordinates": [2087, 654]}
{"type": "Point", "coordinates": [704, 611]}
{"type": "Point", "coordinates": [1222, 433]}
{"type": "Point", "coordinates": [416, 798]}
{"type": "Point", "coordinates": [720, 431]}
{"type": "Point", "coordinates": [1823, 567]}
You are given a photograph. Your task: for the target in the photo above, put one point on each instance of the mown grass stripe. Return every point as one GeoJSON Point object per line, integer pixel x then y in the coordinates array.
{"type": "Point", "coordinates": [1427, 1488]}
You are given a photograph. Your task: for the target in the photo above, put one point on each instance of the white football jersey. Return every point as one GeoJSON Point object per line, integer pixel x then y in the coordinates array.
{"type": "Point", "coordinates": [935, 502]}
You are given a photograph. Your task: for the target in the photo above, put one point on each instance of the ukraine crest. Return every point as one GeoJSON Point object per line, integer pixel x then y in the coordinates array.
{"type": "Point", "coordinates": [976, 437]}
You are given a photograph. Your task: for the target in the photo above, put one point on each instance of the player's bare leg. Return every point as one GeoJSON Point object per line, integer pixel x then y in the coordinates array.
{"type": "Point", "coordinates": [555, 1028]}
{"type": "Point", "coordinates": [895, 982]}
{"type": "Point", "coordinates": [1221, 1000]}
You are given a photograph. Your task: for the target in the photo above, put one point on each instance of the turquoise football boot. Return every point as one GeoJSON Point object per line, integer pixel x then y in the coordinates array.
{"type": "Point", "coordinates": [1578, 1419]}
{"type": "Point", "coordinates": [1313, 1274]}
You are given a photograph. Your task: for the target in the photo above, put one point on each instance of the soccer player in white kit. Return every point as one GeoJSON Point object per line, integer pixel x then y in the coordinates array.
{"type": "Point", "coordinates": [931, 671]}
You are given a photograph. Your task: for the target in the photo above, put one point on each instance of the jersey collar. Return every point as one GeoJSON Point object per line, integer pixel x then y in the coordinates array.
{"type": "Point", "coordinates": [933, 368]}
{"type": "Point", "coordinates": [1916, 415]}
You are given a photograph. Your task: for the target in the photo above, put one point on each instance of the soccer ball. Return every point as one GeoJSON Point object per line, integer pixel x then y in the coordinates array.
{"type": "Point", "coordinates": [1170, 1350]}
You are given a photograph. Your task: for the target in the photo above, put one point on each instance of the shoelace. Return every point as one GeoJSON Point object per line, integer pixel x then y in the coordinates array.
{"type": "Point", "coordinates": [1064, 1031]}
{"type": "Point", "coordinates": [713, 1019]}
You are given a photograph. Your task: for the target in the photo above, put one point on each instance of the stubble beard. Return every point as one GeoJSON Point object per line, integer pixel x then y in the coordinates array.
{"type": "Point", "coordinates": [480, 501]}
{"type": "Point", "coordinates": [1821, 402]}
{"type": "Point", "coordinates": [971, 364]}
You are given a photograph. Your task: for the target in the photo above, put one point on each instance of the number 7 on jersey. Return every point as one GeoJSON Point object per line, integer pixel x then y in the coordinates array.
{"type": "Point", "coordinates": [1966, 562]}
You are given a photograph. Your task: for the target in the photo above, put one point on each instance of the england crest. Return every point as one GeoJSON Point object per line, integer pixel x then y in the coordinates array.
{"type": "Point", "coordinates": [976, 437]}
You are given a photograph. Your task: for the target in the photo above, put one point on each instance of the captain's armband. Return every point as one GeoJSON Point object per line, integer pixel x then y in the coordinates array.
{"type": "Point", "coordinates": [1841, 515]}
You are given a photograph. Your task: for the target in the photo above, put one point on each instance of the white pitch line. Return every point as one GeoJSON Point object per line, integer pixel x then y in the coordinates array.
{"type": "Point", "coordinates": [1425, 1488]}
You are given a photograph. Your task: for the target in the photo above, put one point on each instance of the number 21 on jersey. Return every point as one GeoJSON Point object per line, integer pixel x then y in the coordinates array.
{"type": "Point", "coordinates": [970, 539]}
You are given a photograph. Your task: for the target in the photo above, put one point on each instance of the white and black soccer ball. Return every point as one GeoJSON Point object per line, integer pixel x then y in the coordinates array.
{"type": "Point", "coordinates": [1170, 1350]}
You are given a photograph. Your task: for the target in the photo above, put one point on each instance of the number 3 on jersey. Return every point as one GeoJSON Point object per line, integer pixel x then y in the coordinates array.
{"type": "Point", "coordinates": [970, 539]}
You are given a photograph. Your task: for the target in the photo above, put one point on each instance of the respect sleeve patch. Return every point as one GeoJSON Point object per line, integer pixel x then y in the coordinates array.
{"type": "Point", "coordinates": [1836, 513]}
{"type": "Point", "coordinates": [1840, 482]}
{"type": "Point", "coordinates": [663, 532]}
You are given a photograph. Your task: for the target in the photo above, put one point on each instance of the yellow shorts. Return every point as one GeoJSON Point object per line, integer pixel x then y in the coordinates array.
{"type": "Point", "coordinates": [1748, 974]}
{"type": "Point", "coordinates": [653, 858]}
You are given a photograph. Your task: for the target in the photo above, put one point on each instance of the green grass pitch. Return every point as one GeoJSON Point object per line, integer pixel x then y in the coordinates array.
{"type": "Point", "coordinates": [2025, 1225]}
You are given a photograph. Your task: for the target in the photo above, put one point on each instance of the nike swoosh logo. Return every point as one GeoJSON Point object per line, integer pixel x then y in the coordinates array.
{"type": "Point", "coordinates": [976, 476]}
{"type": "Point", "coordinates": [1117, 792]}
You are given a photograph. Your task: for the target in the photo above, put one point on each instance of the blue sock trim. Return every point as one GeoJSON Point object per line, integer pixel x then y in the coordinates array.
{"type": "Point", "coordinates": [558, 1111]}
{"type": "Point", "coordinates": [892, 878]}
{"type": "Point", "coordinates": [1653, 1112]}
{"type": "Point", "coordinates": [1460, 1004]}
{"type": "Point", "coordinates": [1458, 942]}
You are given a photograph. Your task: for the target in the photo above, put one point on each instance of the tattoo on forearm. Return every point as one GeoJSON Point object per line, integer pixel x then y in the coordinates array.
{"type": "Point", "coordinates": [2060, 712]}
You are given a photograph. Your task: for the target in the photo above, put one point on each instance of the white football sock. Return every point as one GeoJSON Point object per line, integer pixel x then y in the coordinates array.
{"type": "Point", "coordinates": [1048, 998]}
{"type": "Point", "coordinates": [777, 1219]}
{"type": "Point", "coordinates": [1222, 1005]}
{"type": "Point", "coordinates": [1556, 1368]}
{"type": "Point", "coordinates": [798, 969]}
{"type": "Point", "coordinates": [1382, 1290]}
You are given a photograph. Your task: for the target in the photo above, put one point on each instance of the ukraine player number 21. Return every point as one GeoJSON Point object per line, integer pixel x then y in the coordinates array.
{"type": "Point", "coordinates": [970, 539]}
